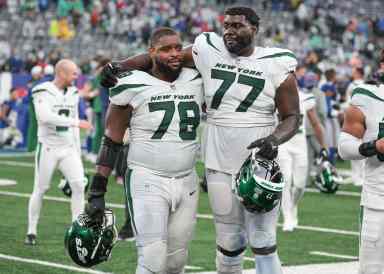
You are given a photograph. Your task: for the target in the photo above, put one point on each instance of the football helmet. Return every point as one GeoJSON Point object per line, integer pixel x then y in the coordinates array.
{"type": "Point", "coordinates": [259, 184]}
{"type": "Point", "coordinates": [327, 180]}
{"type": "Point", "coordinates": [66, 188]}
{"type": "Point", "coordinates": [88, 242]}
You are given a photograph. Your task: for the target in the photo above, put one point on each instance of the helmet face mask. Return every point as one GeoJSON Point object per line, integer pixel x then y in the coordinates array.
{"type": "Point", "coordinates": [89, 243]}
{"type": "Point", "coordinates": [327, 180]}
{"type": "Point", "coordinates": [259, 184]}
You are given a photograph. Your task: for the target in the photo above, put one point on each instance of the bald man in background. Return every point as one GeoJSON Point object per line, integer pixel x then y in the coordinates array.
{"type": "Point", "coordinates": [56, 105]}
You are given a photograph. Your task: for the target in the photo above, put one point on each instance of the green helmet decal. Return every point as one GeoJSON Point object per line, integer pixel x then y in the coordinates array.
{"type": "Point", "coordinates": [89, 243]}
{"type": "Point", "coordinates": [327, 180]}
{"type": "Point", "coordinates": [259, 184]}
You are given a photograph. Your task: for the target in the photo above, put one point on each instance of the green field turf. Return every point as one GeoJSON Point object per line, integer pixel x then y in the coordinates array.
{"type": "Point", "coordinates": [316, 210]}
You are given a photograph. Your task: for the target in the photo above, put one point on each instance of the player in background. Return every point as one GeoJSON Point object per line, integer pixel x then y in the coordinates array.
{"type": "Point", "coordinates": [362, 137]}
{"type": "Point", "coordinates": [56, 107]}
{"type": "Point", "coordinates": [293, 158]}
{"type": "Point", "coordinates": [357, 166]}
{"type": "Point", "coordinates": [162, 109]}
{"type": "Point", "coordinates": [243, 86]}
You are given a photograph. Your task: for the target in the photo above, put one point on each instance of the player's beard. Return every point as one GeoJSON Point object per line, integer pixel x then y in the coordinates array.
{"type": "Point", "coordinates": [166, 69]}
{"type": "Point", "coordinates": [241, 43]}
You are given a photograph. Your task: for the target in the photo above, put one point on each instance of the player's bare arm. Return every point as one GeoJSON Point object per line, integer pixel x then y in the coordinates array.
{"type": "Point", "coordinates": [141, 62]}
{"type": "Point", "coordinates": [317, 127]}
{"type": "Point", "coordinates": [117, 121]}
{"type": "Point", "coordinates": [287, 103]}
{"type": "Point", "coordinates": [351, 146]}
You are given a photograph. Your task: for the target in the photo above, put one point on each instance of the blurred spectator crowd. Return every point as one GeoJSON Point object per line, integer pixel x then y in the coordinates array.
{"type": "Point", "coordinates": [333, 40]}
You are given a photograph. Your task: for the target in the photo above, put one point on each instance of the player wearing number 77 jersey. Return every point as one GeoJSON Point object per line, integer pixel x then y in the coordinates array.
{"type": "Point", "coordinates": [162, 109]}
{"type": "Point", "coordinates": [56, 106]}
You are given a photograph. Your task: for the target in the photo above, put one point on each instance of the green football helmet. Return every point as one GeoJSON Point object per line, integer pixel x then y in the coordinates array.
{"type": "Point", "coordinates": [327, 180]}
{"type": "Point", "coordinates": [259, 184]}
{"type": "Point", "coordinates": [89, 243]}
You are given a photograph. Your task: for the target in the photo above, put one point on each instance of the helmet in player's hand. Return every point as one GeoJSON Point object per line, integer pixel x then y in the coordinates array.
{"type": "Point", "coordinates": [89, 243]}
{"type": "Point", "coordinates": [259, 184]}
{"type": "Point", "coordinates": [327, 180]}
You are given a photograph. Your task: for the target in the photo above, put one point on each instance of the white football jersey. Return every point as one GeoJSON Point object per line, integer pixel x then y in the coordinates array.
{"type": "Point", "coordinates": [56, 114]}
{"type": "Point", "coordinates": [240, 96]}
{"type": "Point", "coordinates": [165, 117]}
{"type": "Point", "coordinates": [240, 91]}
{"type": "Point", "coordinates": [370, 100]}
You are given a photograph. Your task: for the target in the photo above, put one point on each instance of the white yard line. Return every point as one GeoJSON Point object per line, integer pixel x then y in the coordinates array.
{"type": "Point", "coordinates": [191, 267]}
{"type": "Point", "coordinates": [16, 154]}
{"type": "Point", "coordinates": [50, 264]}
{"type": "Point", "coordinates": [249, 259]}
{"type": "Point", "coordinates": [26, 164]}
{"type": "Point", "coordinates": [328, 230]}
{"type": "Point", "coordinates": [201, 216]}
{"type": "Point", "coordinates": [333, 255]}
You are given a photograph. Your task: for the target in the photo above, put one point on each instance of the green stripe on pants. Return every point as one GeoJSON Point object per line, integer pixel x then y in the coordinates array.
{"type": "Point", "coordinates": [128, 197]}
{"type": "Point", "coordinates": [361, 216]}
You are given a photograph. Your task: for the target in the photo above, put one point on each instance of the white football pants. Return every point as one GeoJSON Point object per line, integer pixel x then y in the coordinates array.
{"type": "Point", "coordinates": [163, 214]}
{"type": "Point", "coordinates": [68, 161]}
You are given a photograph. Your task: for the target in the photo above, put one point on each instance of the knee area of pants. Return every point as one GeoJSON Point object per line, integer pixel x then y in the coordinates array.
{"type": "Point", "coordinates": [231, 241]}
{"type": "Point", "coordinates": [261, 239]}
{"type": "Point", "coordinates": [229, 264]}
{"type": "Point", "coordinates": [176, 261]}
{"type": "Point", "coordinates": [153, 256]}
{"type": "Point", "coordinates": [77, 186]}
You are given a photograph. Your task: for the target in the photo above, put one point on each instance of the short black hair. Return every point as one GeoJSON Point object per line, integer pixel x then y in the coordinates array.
{"type": "Point", "coordinates": [248, 12]}
{"type": "Point", "coordinates": [160, 32]}
{"type": "Point", "coordinates": [360, 70]}
{"type": "Point", "coordinates": [329, 74]}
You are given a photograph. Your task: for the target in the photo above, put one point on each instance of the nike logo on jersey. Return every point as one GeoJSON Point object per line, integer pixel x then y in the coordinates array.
{"type": "Point", "coordinates": [191, 193]}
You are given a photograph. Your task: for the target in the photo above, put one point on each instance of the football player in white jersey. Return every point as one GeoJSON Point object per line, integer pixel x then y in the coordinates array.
{"type": "Point", "coordinates": [357, 166]}
{"type": "Point", "coordinates": [243, 86]}
{"type": "Point", "coordinates": [362, 137]}
{"type": "Point", "coordinates": [56, 105]}
{"type": "Point", "coordinates": [162, 109]}
{"type": "Point", "coordinates": [294, 162]}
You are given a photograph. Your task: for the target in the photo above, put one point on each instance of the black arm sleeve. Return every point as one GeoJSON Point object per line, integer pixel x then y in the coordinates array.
{"type": "Point", "coordinates": [108, 152]}
{"type": "Point", "coordinates": [368, 149]}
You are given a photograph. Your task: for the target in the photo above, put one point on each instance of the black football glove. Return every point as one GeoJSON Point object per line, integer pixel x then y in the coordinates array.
{"type": "Point", "coordinates": [96, 201]}
{"type": "Point", "coordinates": [267, 147]}
{"type": "Point", "coordinates": [108, 75]}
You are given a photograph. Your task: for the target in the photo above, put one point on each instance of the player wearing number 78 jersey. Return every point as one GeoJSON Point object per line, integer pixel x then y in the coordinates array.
{"type": "Point", "coordinates": [162, 109]}
{"type": "Point", "coordinates": [56, 106]}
